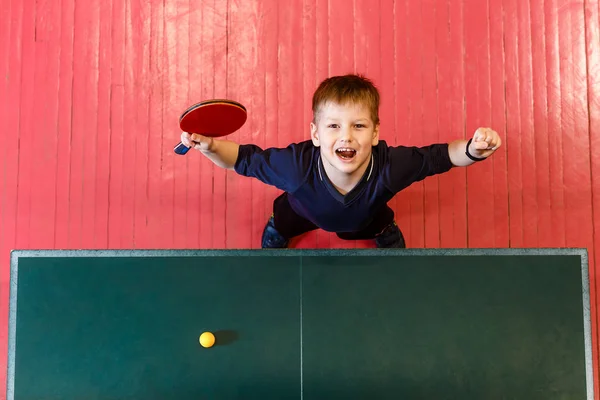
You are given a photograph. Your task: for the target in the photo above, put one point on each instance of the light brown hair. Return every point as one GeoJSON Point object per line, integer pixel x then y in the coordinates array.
{"type": "Point", "coordinates": [347, 89]}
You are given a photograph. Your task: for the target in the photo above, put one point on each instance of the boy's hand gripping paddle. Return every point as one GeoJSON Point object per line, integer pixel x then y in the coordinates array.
{"type": "Point", "coordinates": [212, 118]}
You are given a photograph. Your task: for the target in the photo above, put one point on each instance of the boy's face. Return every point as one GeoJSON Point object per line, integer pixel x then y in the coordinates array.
{"type": "Point", "coordinates": [346, 135]}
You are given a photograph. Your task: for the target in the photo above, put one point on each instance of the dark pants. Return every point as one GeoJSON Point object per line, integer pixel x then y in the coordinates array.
{"type": "Point", "coordinates": [382, 228]}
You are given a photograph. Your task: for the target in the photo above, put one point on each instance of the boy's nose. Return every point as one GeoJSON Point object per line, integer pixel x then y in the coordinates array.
{"type": "Point", "coordinates": [346, 135]}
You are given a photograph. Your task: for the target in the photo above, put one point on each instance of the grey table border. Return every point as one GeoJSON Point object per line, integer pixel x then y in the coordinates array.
{"type": "Point", "coordinates": [16, 254]}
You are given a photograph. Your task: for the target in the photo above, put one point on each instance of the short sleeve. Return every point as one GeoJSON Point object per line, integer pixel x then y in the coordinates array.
{"type": "Point", "coordinates": [406, 165]}
{"type": "Point", "coordinates": [284, 168]}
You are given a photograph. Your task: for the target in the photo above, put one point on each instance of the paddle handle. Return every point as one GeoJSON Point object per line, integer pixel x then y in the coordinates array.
{"type": "Point", "coordinates": [181, 149]}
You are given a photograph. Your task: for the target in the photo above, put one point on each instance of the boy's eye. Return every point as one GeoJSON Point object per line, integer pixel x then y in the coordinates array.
{"type": "Point", "coordinates": [333, 126]}
{"type": "Point", "coordinates": [360, 126]}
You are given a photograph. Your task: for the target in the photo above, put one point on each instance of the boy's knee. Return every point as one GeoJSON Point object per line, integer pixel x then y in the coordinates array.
{"type": "Point", "coordinates": [391, 237]}
{"type": "Point", "coordinates": [271, 238]}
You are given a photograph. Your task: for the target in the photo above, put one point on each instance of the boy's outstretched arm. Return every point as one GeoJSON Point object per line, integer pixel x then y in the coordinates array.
{"type": "Point", "coordinates": [484, 143]}
{"type": "Point", "coordinates": [223, 153]}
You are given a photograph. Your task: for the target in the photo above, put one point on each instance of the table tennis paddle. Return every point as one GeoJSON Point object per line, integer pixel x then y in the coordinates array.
{"type": "Point", "coordinates": [214, 118]}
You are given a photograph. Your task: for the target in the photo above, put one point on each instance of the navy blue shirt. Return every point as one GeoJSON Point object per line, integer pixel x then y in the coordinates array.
{"type": "Point", "coordinates": [298, 170]}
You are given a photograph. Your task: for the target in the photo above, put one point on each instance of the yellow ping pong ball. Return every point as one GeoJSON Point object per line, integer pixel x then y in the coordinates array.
{"type": "Point", "coordinates": [207, 339]}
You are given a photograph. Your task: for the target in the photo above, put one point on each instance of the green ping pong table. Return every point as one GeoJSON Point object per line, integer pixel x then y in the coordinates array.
{"type": "Point", "coordinates": [300, 324]}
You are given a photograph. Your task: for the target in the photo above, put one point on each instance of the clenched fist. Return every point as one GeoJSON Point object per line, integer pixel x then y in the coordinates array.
{"type": "Point", "coordinates": [484, 143]}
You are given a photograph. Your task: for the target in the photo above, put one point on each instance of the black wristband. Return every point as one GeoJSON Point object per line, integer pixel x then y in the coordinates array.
{"type": "Point", "coordinates": [469, 154]}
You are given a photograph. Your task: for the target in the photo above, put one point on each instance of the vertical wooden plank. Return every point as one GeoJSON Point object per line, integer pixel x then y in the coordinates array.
{"type": "Point", "coordinates": [116, 218]}
{"type": "Point", "coordinates": [567, 113]}
{"type": "Point", "coordinates": [85, 118]}
{"type": "Point", "coordinates": [430, 115]}
{"type": "Point", "coordinates": [540, 125]}
{"type": "Point", "coordinates": [141, 16]}
{"type": "Point", "coordinates": [155, 212]}
{"type": "Point", "coordinates": [592, 34]}
{"type": "Point", "coordinates": [26, 127]}
{"type": "Point", "coordinates": [65, 114]}
{"type": "Point", "coordinates": [84, 126]}
{"type": "Point", "coordinates": [43, 146]}
{"type": "Point", "coordinates": [579, 227]}
{"type": "Point", "coordinates": [498, 122]}
{"type": "Point", "coordinates": [528, 144]}
{"type": "Point", "coordinates": [514, 131]}
{"type": "Point", "coordinates": [480, 183]}
{"type": "Point", "coordinates": [555, 152]}
{"type": "Point", "coordinates": [100, 229]}
{"type": "Point", "coordinates": [127, 173]}
{"type": "Point", "coordinates": [6, 75]}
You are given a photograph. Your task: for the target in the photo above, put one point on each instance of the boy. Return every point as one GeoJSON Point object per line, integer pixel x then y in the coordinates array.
{"type": "Point", "coordinates": [342, 179]}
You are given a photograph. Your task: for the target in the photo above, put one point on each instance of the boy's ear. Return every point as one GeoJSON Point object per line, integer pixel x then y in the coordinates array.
{"type": "Point", "coordinates": [375, 140]}
{"type": "Point", "coordinates": [314, 135]}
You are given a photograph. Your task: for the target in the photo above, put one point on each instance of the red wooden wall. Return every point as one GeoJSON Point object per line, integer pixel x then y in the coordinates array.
{"type": "Point", "coordinates": [90, 94]}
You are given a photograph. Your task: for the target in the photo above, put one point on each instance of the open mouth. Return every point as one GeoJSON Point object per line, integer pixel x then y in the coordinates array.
{"type": "Point", "coordinates": [345, 153]}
